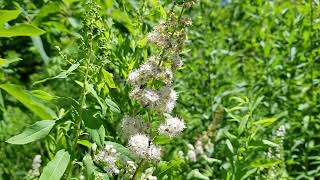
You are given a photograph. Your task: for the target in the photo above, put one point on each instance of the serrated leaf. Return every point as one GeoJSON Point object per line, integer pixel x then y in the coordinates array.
{"type": "Point", "coordinates": [30, 101]}
{"type": "Point", "coordinates": [35, 132]}
{"type": "Point", "coordinates": [55, 169]}
{"type": "Point", "coordinates": [112, 105]}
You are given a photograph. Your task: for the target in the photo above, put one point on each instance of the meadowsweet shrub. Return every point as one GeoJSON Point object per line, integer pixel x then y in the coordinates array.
{"type": "Point", "coordinates": [159, 89]}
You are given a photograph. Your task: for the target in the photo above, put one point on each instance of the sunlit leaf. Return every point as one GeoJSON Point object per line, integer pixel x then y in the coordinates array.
{"type": "Point", "coordinates": [55, 169]}
{"type": "Point", "coordinates": [35, 132]}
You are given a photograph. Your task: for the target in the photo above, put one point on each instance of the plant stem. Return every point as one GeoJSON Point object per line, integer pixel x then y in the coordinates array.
{"type": "Point", "coordinates": [135, 176]}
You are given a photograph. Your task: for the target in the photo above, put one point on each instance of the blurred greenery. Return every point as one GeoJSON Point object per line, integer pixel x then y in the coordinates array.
{"type": "Point", "coordinates": [250, 67]}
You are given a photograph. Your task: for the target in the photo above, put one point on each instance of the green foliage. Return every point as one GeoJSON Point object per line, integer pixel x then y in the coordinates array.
{"type": "Point", "coordinates": [35, 132]}
{"type": "Point", "coordinates": [54, 170]}
{"type": "Point", "coordinates": [250, 68]}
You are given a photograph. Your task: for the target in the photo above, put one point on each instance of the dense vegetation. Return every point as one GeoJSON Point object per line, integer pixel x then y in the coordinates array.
{"type": "Point", "coordinates": [96, 89]}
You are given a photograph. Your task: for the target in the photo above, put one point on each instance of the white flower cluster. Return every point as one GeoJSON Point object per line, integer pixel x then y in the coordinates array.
{"type": "Point", "coordinates": [36, 164]}
{"type": "Point", "coordinates": [152, 89]}
{"type": "Point", "coordinates": [108, 157]}
{"type": "Point", "coordinates": [148, 71]}
{"type": "Point", "coordinates": [173, 126]}
{"type": "Point", "coordinates": [133, 125]}
{"type": "Point", "coordinates": [162, 101]}
{"type": "Point", "coordinates": [147, 175]}
{"type": "Point", "coordinates": [142, 146]}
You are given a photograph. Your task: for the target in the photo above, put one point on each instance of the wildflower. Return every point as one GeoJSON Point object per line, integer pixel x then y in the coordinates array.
{"type": "Point", "coordinates": [108, 157]}
{"type": "Point", "coordinates": [172, 127]}
{"type": "Point", "coordinates": [186, 21]}
{"type": "Point", "coordinates": [133, 125]}
{"type": "Point", "coordinates": [134, 78]}
{"type": "Point", "coordinates": [281, 131]}
{"type": "Point", "coordinates": [36, 164]}
{"type": "Point", "coordinates": [154, 152]}
{"type": "Point", "coordinates": [130, 167]}
{"type": "Point", "coordinates": [176, 62]}
{"type": "Point", "coordinates": [191, 154]}
{"type": "Point", "coordinates": [146, 97]}
{"type": "Point", "coordinates": [147, 175]}
{"type": "Point", "coordinates": [139, 144]}
{"type": "Point", "coordinates": [167, 100]}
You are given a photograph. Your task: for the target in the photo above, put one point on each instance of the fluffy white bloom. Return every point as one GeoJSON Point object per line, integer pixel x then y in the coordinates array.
{"type": "Point", "coordinates": [160, 36]}
{"type": "Point", "coordinates": [150, 96]}
{"type": "Point", "coordinates": [36, 164]}
{"type": "Point", "coordinates": [167, 101]}
{"type": "Point", "coordinates": [108, 157]}
{"type": "Point", "coordinates": [134, 78]}
{"type": "Point", "coordinates": [146, 97]}
{"type": "Point", "coordinates": [154, 152]}
{"type": "Point", "coordinates": [142, 146]}
{"type": "Point", "coordinates": [139, 144]}
{"type": "Point", "coordinates": [172, 127]}
{"type": "Point", "coordinates": [133, 125]}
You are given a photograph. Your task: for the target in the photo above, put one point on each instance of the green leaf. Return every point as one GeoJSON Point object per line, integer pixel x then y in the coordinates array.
{"type": "Point", "coordinates": [109, 78]}
{"type": "Point", "coordinates": [265, 163]}
{"type": "Point", "coordinates": [7, 62]}
{"type": "Point", "coordinates": [55, 169]}
{"type": "Point", "coordinates": [243, 123]}
{"type": "Point", "coordinates": [97, 135]}
{"type": "Point", "coordinates": [17, 30]}
{"type": "Point", "coordinates": [85, 143]}
{"type": "Point", "coordinates": [161, 139]}
{"type": "Point", "coordinates": [42, 95]}
{"type": "Point", "coordinates": [8, 15]}
{"type": "Point", "coordinates": [167, 167]}
{"type": "Point", "coordinates": [21, 30]}
{"type": "Point", "coordinates": [113, 106]}
{"type": "Point", "coordinates": [121, 149]}
{"type": "Point", "coordinates": [89, 166]}
{"type": "Point", "coordinates": [123, 18]}
{"type": "Point", "coordinates": [35, 132]}
{"type": "Point", "coordinates": [229, 145]}
{"type": "Point", "coordinates": [45, 11]}
{"type": "Point", "coordinates": [30, 101]}
{"type": "Point", "coordinates": [195, 174]}
{"type": "Point", "coordinates": [248, 173]}
{"type": "Point", "coordinates": [266, 121]}
{"type": "Point", "coordinates": [62, 75]}
{"type": "Point", "coordinates": [269, 143]}
{"type": "Point", "coordinates": [91, 89]}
